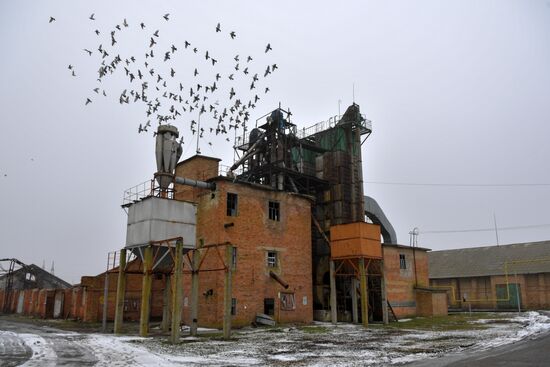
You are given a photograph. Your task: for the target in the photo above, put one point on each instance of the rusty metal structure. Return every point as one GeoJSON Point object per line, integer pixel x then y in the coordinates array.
{"type": "Point", "coordinates": [323, 161]}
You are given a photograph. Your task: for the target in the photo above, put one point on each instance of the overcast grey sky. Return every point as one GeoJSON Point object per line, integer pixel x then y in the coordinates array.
{"type": "Point", "coordinates": [458, 92]}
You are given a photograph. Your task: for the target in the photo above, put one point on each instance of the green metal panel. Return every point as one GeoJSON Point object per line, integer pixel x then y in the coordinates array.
{"type": "Point", "coordinates": [508, 299]}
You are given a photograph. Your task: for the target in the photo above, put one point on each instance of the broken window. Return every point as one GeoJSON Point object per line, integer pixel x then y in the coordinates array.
{"type": "Point", "coordinates": [269, 306]}
{"type": "Point", "coordinates": [402, 261]}
{"type": "Point", "coordinates": [274, 211]}
{"type": "Point", "coordinates": [30, 277]}
{"type": "Point", "coordinates": [233, 306]}
{"type": "Point", "coordinates": [232, 203]}
{"type": "Point", "coordinates": [272, 259]}
{"type": "Point", "coordinates": [288, 302]}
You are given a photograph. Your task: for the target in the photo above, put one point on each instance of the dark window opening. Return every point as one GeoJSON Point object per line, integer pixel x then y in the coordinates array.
{"type": "Point", "coordinates": [274, 211]}
{"type": "Point", "coordinates": [234, 258]}
{"type": "Point", "coordinates": [272, 259]}
{"type": "Point", "coordinates": [269, 306]}
{"type": "Point", "coordinates": [402, 261]}
{"type": "Point", "coordinates": [233, 306]}
{"type": "Point", "coordinates": [232, 204]}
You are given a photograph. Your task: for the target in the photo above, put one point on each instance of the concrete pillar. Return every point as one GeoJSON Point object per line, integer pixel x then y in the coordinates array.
{"type": "Point", "coordinates": [195, 292]}
{"type": "Point", "coordinates": [120, 290]}
{"type": "Point", "coordinates": [227, 294]}
{"type": "Point", "coordinates": [166, 303]}
{"type": "Point", "coordinates": [364, 293]}
{"type": "Point", "coordinates": [384, 296]}
{"type": "Point", "coordinates": [333, 306]}
{"type": "Point", "coordinates": [354, 311]}
{"type": "Point", "coordinates": [177, 293]}
{"type": "Point", "coordinates": [146, 291]}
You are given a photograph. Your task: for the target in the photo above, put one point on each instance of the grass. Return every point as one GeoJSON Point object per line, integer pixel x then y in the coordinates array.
{"type": "Point", "coordinates": [458, 321]}
{"type": "Point", "coordinates": [314, 329]}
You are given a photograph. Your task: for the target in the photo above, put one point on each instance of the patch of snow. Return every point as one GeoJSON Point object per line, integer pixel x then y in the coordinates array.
{"type": "Point", "coordinates": [42, 352]}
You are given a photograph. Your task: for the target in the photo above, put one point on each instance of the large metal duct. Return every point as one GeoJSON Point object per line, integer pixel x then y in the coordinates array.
{"type": "Point", "coordinates": [375, 213]}
{"type": "Point", "coordinates": [168, 152]}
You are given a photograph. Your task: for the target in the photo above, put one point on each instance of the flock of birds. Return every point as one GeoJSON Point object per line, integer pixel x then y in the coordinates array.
{"type": "Point", "coordinates": [203, 90]}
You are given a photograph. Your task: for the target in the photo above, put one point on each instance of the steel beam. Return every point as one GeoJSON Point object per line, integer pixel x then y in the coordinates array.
{"type": "Point", "coordinates": [227, 294]}
{"type": "Point", "coordinates": [120, 290]}
{"type": "Point", "coordinates": [146, 291]}
{"type": "Point", "coordinates": [177, 294]}
{"type": "Point", "coordinates": [333, 304]}
{"type": "Point", "coordinates": [364, 293]}
{"type": "Point", "coordinates": [195, 292]}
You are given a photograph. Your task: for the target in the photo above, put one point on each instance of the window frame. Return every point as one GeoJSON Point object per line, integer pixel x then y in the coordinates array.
{"type": "Point", "coordinates": [233, 306]}
{"type": "Point", "coordinates": [234, 258]}
{"type": "Point", "coordinates": [403, 262]}
{"type": "Point", "coordinates": [272, 263]}
{"type": "Point", "coordinates": [274, 210]}
{"type": "Point", "coordinates": [232, 210]}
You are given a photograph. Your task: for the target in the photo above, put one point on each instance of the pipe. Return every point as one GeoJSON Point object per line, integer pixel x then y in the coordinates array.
{"type": "Point", "coordinates": [248, 153]}
{"type": "Point", "coordinates": [278, 279]}
{"type": "Point", "coordinates": [195, 183]}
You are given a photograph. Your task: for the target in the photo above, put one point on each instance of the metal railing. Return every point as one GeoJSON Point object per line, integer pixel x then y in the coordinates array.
{"type": "Point", "coordinates": [225, 171]}
{"type": "Point", "coordinates": [365, 126]}
{"type": "Point", "coordinates": [138, 192]}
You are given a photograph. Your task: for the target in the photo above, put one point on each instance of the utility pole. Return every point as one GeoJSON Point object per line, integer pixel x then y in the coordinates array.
{"type": "Point", "coordinates": [496, 228]}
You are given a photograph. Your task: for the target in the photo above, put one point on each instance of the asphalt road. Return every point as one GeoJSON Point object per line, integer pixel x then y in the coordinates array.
{"type": "Point", "coordinates": [527, 352]}
{"type": "Point", "coordinates": [57, 348]}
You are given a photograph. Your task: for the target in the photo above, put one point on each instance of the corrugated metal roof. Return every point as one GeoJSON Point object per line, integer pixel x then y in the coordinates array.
{"type": "Point", "coordinates": [521, 258]}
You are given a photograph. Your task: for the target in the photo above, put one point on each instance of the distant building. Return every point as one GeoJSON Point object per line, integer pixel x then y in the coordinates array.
{"type": "Point", "coordinates": [32, 276]}
{"type": "Point", "coordinates": [494, 277]}
{"type": "Point", "coordinates": [29, 289]}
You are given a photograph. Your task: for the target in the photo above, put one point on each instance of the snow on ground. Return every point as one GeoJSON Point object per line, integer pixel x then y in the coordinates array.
{"type": "Point", "coordinates": [321, 344]}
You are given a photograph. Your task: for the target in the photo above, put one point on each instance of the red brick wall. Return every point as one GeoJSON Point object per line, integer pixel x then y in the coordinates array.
{"type": "Point", "coordinates": [253, 234]}
{"type": "Point", "coordinates": [400, 283]}
{"type": "Point", "coordinates": [197, 168]}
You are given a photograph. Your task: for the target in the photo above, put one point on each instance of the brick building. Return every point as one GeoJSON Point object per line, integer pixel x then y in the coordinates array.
{"type": "Point", "coordinates": [286, 210]}
{"type": "Point", "coordinates": [504, 277]}
{"type": "Point", "coordinates": [271, 233]}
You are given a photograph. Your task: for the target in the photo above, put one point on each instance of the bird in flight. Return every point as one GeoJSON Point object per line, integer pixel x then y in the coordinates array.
{"type": "Point", "coordinates": [142, 25]}
{"type": "Point", "coordinates": [52, 19]}
{"type": "Point", "coordinates": [233, 34]}
{"type": "Point", "coordinates": [218, 28]}
{"type": "Point", "coordinates": [88, 101]}
{"type": "Point", "coordinates": [88, 51]}
{"type": "Point", "coordinates": [165, 16]}
{"type": "Point", "coordinates": [92, 16]}
{"type": "Point", "coordinates": [268, 47]}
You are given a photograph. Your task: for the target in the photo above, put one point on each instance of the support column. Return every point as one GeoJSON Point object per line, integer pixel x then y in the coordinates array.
{"type": "Point", "coordinates": [333, 310]}
{"type": "Point", "coordinates": [384, 296]}
{"type": "Point", "coordinates": [364, 293]}
{"type": "Point", "coordinates": [354, 310]}
{"type": "Point", "coordinates": [166, 303]}
{"type": "Point", "coordinates": [146, 291]}
{"type": "Point", "coordinates": [120, 290]}
{"type": "Point", "coordinates": [195, 292]}
{"type": "Point", "coordinates": [227, 294]}
{"type": "Point", "coordinates": [177, 294]}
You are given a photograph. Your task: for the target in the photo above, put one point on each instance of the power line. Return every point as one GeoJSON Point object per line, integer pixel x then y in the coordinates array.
{"type": "Point", "coordinates": [485, 229]}
{"type": "Point", "coordinates": [458, 184]}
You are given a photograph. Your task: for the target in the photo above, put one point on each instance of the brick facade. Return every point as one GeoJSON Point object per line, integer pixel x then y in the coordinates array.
{"type": "Point", "coordinates": [401, 279]}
